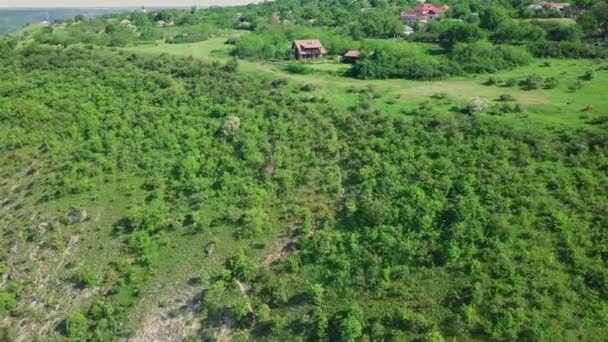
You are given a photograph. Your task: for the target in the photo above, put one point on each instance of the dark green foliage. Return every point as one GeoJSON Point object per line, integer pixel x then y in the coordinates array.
{"type": "Point", "coordinates": [385, 64]}
{"type": "Point", "coordinates": [510, 82]}
{"type": "Point", "coordinates": [506, 98]}
{"type": "Point", "coordinates": [588, 75]}
{"type": "Point", "coordinates": [595, 21]}
{"type": "Point", "coordinates": [551, 82]}
{"type": "Point", "coordinates": [452, 33]}
{"type": "Point", "coordinates": [485, 57]}
{"type": "Point", "coordinates": [493, 18]}
{"type": "Point", "coordinates": [566, 49]}
{"type": "Point", "coordinates": [297, 68]}
{"type": "Point", "coordinates": [531, 82]}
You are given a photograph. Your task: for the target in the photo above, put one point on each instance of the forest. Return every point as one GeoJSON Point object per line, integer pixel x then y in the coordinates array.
{"type": "Point", "coordinates": [165, 197]}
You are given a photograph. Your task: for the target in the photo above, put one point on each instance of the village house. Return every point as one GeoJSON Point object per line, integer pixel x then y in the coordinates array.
{"type": "Point", "coordinates": [307, 49]}
{"type": "Point", "coordinates": [559, 6]}
{"type": "Point", "coordinates": [423, 14]}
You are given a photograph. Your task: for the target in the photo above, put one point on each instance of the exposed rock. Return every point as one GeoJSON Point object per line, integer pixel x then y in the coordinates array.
{"type": "Point", "coordinates": [209, 248]}
{"type": "Point", "coordinates": [231, 125]}
{"type": "Point", "coordinates": [268, 169]}
{"type": "Point", "coordinates": [83, 216]}
{"type": "Point", "coordinates": [43, 226]}
{"type": "Point", "coordinates": [72, 215]}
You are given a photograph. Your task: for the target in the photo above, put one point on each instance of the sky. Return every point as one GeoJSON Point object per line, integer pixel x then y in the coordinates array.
{"type": "Point", "coordinates": [119, 3]}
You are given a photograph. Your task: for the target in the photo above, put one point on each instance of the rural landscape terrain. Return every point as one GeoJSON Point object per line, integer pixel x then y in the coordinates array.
{"type": "Point", "coordinates": [307, 170]}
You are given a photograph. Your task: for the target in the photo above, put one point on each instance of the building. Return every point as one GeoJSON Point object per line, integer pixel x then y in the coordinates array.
{"type": "Point", "coordinates": [407, 30]}
{"type": "Point", "coordinates": [423, 14]}
{"type": "Point", "coordinates": [559, 6]}
{"type": "Point", "coordinates": [351, 56]}
{"type": "Point", "coordinates": [307, 49]}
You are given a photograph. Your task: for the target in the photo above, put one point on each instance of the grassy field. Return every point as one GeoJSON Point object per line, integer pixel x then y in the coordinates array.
{"type": "Point", "coordinates": [547, 106]}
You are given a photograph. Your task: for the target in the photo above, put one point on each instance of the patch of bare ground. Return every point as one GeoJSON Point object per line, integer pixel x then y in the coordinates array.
{"type": "Point", "coordinates": [281, 247]}
{"type": "Point", "coordinates": [45, 297]}
{"type": "Point", "coordinates": [174, 322]}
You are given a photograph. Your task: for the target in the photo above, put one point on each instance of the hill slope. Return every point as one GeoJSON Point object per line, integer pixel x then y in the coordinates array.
{"type": "Point", "coordinates": [140, 192]}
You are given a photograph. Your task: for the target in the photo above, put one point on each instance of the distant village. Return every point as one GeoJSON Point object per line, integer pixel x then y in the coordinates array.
{"type": "Point", "coordinates": [313, 49]}
{"type": "Point", "coordinates": [421, 15]}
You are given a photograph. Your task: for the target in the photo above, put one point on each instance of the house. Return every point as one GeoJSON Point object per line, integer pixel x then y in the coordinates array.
{"type": "Point", "coordinates": [407, 30]}
{"type": "Point", "coordinates": [559, 6]}
{"type": "Point", "coordinates": [351, 56]}
{"type": "Point", "coordinates": [424, 13]}
{"type": "Point", "coordinates": [307, 49]}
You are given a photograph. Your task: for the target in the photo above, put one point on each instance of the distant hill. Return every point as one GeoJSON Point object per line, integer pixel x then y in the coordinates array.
{"type": "Point", "coordinates": [13, 19]}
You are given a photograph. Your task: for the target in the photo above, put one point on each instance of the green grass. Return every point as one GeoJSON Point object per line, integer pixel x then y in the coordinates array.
{"type": "Point", "coordinates": [555, 106]}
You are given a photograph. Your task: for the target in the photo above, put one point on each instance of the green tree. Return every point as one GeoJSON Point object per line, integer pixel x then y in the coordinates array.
{"type": "Point", "coordinates": [456, 32]}
{"type": "Point", "coordinates": [492, 18]}
{"type": "Point", "coordinates": [8, 300]}
{"type": "Point", "coordinates": [76, 326]}
{"type": "Point", "coordinates": [350, 327]}
{"type": "Point", "coordinates": [595, 20]}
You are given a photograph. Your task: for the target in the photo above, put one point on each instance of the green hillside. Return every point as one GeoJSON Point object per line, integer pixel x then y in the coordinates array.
{"type": "Point", "coordinates": [191, 181]}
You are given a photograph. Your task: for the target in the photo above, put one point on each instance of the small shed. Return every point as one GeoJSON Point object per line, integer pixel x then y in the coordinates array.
{"type": "Point", "coordinates": [407, 30]}
{"type": "Point", "coordinates": [351, 56]}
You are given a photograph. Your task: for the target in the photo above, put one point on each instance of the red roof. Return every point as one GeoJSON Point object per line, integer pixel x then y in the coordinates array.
{"type": "Point", "coordinates": [431, 8]}
{"type": "Point", "coordinates": [426, 7]}
{"type": "Point", "coordinates": [309, 44]}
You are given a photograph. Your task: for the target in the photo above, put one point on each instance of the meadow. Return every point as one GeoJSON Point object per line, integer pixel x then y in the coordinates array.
{"type": "Point", "coordinates": [558, 106]}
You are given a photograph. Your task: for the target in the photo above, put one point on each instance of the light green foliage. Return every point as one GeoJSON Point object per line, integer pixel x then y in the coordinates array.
{"type": "Point", "coordinates": [8, 300]}
{"type": "Point", "coordinates": [347, 209]}
{"type": "Point", "coordinates": [85, 276]}
{"type": "Point", "coordinates": [76, 326]}
{"type": "Point", "coordinates": [350, 325]}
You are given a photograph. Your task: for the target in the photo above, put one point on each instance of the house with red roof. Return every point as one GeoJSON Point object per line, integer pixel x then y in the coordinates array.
{"type": "Point", "coordinates": [423, 14]}
{"type": "Point", "coordinates": [307, 49]}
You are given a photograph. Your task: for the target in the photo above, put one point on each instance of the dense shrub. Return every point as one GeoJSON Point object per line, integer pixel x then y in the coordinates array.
{"type": "Point", "coordinates": [551, 82]}
{"type": "Point", "coordinates": [566, 49]}
{"type": "Point", "coordinates": [531, 82]}
{"type": "Point", "coordinates": [297, 68]}
{"type": "Point", "coordinates": [484, 57]}
{"type": "Point", "coordinates": [193, 34]}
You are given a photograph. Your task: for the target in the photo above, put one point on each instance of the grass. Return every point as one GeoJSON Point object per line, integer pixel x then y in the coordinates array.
{"type": "Point", "coordinates": [555, 106]}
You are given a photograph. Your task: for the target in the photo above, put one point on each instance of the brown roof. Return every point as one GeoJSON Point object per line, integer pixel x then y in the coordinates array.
{"type": "Point", "coordinates": [309, 44]}
{"type": "Point", "coordinates": [352, 54]}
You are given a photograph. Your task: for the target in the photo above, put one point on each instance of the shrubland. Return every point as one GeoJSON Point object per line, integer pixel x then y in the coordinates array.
{"type": "Point", "coordinates": [427, 227]}
{"type": "Point", "coordinates": [282, 210]}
